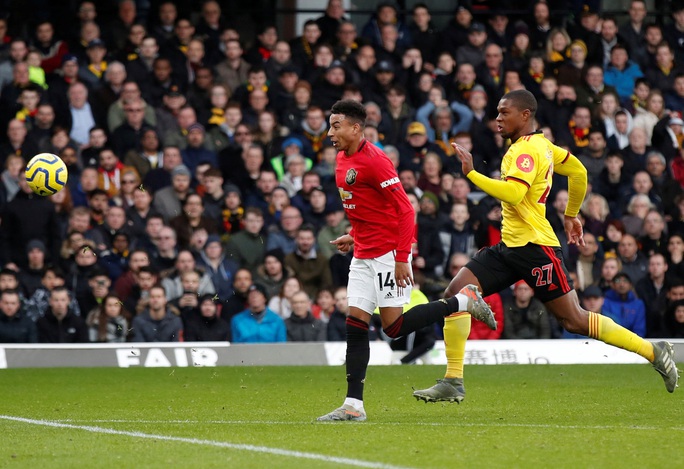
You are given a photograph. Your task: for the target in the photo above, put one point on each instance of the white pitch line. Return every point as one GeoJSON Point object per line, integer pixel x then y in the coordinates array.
{"type": "Point", "coordinates": [218, 444]}
{"type": "Point", "coordinates": [412, 424]}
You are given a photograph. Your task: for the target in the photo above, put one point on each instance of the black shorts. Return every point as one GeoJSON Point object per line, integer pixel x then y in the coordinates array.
{"type": "Point", "coordinates": [542, 267]}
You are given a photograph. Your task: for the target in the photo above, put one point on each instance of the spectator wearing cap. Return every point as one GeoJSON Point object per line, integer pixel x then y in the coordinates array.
{"type": "Point", "coordinates": [30, 277]}
{"type": "Point", "coordinates": [472, 51]}
{"type": "Point", "coordinates": [328, 91]}
{"type": "Point", "coordinates": [455, 33]}
{"type": "Point", "coordinates": [622, 304]}
{"type": "Point", "coordinates": [218, 266]}
{"type": "Point", "coordinates": [383, 79]}
{"type": "Point", "coordinates": [412, 151]}
{"type": "Point", "coordinates": [93, 69]}
{"type": "Point", "coordinates": [500, 31]}
{"type": "Point", "coordinates": [570, 71]}
{"type": "Point", "coordinates": [273, 272]}
{"type": "Point", "coordinates": [290, 146]}
{"type": "Point", "coordinates": [386, 14]}
{"type": "Point", "coordinates": [525, 317]}
{"type": "Point", "coordinates": [257, 324]}
{"type": "Point", "coordinates": [167, 201]}
{"type": "Point", "coordinates": [197, 150]}
{"type": "Point", "coordinates": [585, 29]}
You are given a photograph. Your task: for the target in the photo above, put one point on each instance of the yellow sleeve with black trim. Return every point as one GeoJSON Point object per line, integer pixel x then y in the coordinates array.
{"type": "Point", "coordinates": [511, 192]}
{"type": "Point", "coordinates": [568, 165]}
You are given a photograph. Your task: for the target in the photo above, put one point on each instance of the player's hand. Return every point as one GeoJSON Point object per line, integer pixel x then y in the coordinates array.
{"type": "Point", "coordinates": [465, 156]}
{"type": "Point", "coordinates": [402, 274]}
{"type": "Point", "coordinates": [344, 243]}
{"type": "Point", "coordinates": [573, 230]}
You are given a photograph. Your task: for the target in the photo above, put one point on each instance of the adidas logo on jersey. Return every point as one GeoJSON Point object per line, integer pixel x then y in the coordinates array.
{"type": "Point", "coordinates": [389, 295]}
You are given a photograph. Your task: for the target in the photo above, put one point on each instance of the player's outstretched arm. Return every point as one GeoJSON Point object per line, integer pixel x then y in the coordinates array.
{"type": "Point", "coordinates": [511, 192]}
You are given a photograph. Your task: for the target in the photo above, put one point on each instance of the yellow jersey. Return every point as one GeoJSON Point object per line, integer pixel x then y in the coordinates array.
{"type": "Point", "coordinates": [530, 161]}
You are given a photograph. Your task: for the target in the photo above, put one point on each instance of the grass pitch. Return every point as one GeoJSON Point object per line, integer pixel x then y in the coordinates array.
{"type": "Point", "coordinates": [513, 416]}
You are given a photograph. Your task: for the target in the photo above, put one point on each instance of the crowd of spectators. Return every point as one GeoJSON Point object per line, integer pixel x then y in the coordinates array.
{"type": "Point", "coordinates": [202, 199]}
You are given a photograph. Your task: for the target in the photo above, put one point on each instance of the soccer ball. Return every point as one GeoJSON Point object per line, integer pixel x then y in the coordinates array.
{"type": "Point", "coordinates": [46, 174]}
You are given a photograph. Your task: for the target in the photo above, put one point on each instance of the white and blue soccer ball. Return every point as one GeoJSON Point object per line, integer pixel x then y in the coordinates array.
{"type": "Point", "coordinates": [46, 174]}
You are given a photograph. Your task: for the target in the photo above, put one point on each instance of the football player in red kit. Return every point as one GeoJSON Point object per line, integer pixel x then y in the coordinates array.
{"type": "Point", "coordinates": [382, 221]}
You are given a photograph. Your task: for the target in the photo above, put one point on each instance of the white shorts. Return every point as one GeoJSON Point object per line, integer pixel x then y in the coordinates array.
{"type": "Point", "coordinates": [372, 284]}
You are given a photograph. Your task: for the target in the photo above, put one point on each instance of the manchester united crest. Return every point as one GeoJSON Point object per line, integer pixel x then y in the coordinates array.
{"type": "Point", "coordinates": [351, 176]}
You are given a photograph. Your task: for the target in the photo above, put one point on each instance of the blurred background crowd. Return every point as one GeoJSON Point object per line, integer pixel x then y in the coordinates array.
{"type": "Point", "coordinates": [201, 196]}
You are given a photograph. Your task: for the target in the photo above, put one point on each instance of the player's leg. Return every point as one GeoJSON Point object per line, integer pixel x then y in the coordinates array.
{"type": "Point", "coordinates": [488, 274]}
{"type": "Point", "coordinates": [593, 324]}
{"type": "Point", "coordinates": [552, 286]}
{"type": "Point", "coordinates": [362, 299]}
{"type": "Point", "coordinates": [391, 299]}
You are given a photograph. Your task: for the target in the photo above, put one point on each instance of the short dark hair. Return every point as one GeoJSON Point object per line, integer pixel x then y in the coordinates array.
{"type": "Point", "coordinates": [522, 99]}
{"type": "Point", "coordinates": [352, 110]}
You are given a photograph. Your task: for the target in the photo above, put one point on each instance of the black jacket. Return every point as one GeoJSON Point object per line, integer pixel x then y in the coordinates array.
{"type": "Point", "coordinates": [71, 329]}
{"type": "Point", "coordinates": [18, 329]}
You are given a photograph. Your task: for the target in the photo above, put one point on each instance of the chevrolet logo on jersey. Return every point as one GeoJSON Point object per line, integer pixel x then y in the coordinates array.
{"type": "Point", "coordinates": [344, 195]}
{"type": "Point", "coordinates": [351, 176]}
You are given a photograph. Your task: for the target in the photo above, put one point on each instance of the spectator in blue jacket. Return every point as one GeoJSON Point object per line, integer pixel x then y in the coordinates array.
{"type": "Point", "coordinates": [621, 73]}
{"type": "Point", "coordinates": [622, 304]}
{"type": "Point", "coordinates": [257, 324]}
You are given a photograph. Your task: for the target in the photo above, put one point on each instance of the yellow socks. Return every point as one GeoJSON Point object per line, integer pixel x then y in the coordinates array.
{"type": "Point", "coordinates": [456, 331]}
{"type": "Point", "coordinates": [606, 330]}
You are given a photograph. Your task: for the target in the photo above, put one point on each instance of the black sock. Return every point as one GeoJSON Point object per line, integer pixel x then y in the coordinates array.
{"type": "Point", "coordinates": [421, 316]}
{"type": "Point", "coordinates": [358, 354]}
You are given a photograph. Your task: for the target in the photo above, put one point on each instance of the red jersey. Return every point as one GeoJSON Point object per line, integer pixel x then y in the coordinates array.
{"type": "Point", "coordinates": [380, 213]}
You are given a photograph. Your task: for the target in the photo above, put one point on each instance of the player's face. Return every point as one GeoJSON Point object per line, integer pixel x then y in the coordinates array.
{"type": "Point", "coordinates": [509, 120]}
{"type": "Point", "coordinates": [343, 134]}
